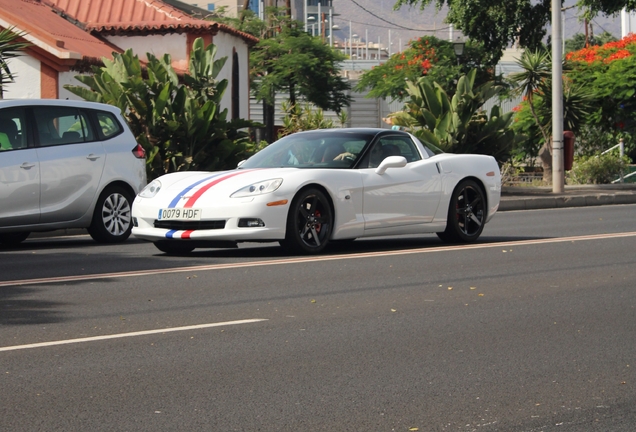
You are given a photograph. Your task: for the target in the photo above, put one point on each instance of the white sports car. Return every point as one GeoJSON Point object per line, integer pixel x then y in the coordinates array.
{"type": "Point", "coordinates": [311, 188]}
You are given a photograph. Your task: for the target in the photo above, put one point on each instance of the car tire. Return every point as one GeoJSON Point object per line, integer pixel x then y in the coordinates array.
{"type": "Point", "coordinates": [112, 220]}
{"type": "Point", "coordinates": [174, 247]}
{"type": "Point", "coordinates": [466, 214]}
{"type": "Point", "coordinates": [13, 238]}
{"type": "Point", "coordinates": [309, 222]}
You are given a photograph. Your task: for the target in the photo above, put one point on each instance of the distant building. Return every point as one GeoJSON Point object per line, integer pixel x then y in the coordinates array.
{"type": "Point", "coordinates": [232, 7]}
{"type": "Point", "coordinates": [628, 23]}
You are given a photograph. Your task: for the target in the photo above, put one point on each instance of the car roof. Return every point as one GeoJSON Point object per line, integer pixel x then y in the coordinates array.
{"type": "Point", "coordinates": [364, 131]}
{"type": "Point", "coordinates": [5, 103]}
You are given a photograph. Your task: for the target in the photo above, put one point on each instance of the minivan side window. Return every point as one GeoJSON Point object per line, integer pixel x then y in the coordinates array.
{"type": "Point", "coordinates": [108, 124]}
{"type": "Point", "coordinates": [12, 135]}
{"type": "Point", "coordinates": [61, 125]}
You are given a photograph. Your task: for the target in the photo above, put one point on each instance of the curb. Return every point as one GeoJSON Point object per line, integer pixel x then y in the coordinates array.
{"type": "Point", "coordinates": [575, 197]}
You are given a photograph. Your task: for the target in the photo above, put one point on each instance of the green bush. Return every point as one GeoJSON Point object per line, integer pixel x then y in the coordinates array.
{"type": "Point", "coordinates": [593, 140]}
{"type": "Point", "coordinates": [601, 169]}
{"type": "Point", "coordinates": [307, 117]}
{"type": "Point", "coordinates": [457, 124]}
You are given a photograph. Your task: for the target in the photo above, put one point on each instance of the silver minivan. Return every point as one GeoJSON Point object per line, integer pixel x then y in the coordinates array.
{"type": "Point", "coordinates": [67, 164]}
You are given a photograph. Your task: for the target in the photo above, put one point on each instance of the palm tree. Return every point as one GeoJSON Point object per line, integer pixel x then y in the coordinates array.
{"type": "Point", "coordinates": [11, 43]}
{"type": "Point", "coordinates": [534, 78]}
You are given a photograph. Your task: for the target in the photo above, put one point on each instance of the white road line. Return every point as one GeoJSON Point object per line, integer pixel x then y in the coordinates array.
{"type": "Point", "coordinates": [311, 259]}
{"type": "Point", "coordinates": [132, 334]}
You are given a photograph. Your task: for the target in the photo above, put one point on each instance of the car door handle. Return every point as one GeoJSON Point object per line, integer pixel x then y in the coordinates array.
{"type": "Point", "coordinates": [92, 157]}
{"type": "Point", "coordinates": [27, 165]}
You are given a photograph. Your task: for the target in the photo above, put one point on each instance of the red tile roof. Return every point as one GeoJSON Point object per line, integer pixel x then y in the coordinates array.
{"type": "Point", "coordinates": [55, 37]}
{"type": "Point", "coordinates": [138, 17]}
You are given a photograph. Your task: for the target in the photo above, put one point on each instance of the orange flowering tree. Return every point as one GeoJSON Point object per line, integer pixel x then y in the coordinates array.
{"type": "Point", "coordinates": [609, 71]}
{"type": "Point", "coordinates": [427, 56]}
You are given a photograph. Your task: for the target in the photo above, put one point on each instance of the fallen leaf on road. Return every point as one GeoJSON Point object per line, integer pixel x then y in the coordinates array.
{"type": "Point", "coordinates": [480, 295]}
{"type": "Point", "coordinates": [393, 310]}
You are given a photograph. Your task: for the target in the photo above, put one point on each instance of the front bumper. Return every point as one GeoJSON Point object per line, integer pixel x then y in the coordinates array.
{"type": "Point", "coordinates": [228, 214]}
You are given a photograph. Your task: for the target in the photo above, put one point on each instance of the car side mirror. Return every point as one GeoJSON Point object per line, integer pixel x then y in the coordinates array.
{"type": "Point", "coordinates": [240, 163]}
{"type": "Point", "coordinates": [391, 162]}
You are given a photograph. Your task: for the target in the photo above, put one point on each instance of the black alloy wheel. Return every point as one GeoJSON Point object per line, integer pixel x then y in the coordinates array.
{"type": "Point", "coordinates": [309, 223]}
{"type": "Point", "coordinates": [466, 213]}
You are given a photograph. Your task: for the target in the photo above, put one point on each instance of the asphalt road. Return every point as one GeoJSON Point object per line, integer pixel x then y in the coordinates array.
{"type": "Point", "coordinates": [531, 329]}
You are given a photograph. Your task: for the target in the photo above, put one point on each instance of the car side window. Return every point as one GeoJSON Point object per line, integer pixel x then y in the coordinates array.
{"type": "Point", "coordinates": [108, 124]}
{"type": "Point", "coordinates": [400, 146]}
{"type": "Point", "coordinates": [62, 125]}
{"type": "Point", "coordinates": [12, 135]}
{"type": "Point", "coordinates": [390, 146]}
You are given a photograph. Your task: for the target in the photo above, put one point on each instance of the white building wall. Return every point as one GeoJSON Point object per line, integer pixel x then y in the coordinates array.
{"type": "Point", "coordinates": [225, 44]}
{"type": "Point", "coordinates": [68, 78]}
{"type": "Point", "coordinates": [158, 45]}
{"type": "Point", "coordinates": [26, 71]}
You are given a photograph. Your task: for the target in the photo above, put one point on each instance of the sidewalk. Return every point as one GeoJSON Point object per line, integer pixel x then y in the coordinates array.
{"type": "Point", "coordinates": [532, 198]}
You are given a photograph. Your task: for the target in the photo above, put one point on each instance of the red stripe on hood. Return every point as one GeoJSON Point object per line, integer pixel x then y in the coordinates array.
{"type": "Point", "coordinates": [205, 188]}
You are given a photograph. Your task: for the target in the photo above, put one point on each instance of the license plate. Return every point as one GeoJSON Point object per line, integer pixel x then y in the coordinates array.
{"type": "Point", "coordinates": [179, 214]}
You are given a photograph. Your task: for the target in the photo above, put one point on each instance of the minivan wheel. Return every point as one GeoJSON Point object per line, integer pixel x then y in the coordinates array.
{"type": "Point", "coordinates": [112, 221]}
{"type": "Point", "coordinates": [13, 238]}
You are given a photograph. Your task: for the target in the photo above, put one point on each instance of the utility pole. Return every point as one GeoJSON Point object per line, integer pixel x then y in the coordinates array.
{"type": "Point", "coordinates": [558, 175]}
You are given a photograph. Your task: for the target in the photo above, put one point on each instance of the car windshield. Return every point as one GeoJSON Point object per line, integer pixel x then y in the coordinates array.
{"type": "Point", "coordinates": [313, 149]}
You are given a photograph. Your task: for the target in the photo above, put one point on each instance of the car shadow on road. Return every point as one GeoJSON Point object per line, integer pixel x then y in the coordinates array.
{"type": "Point", "coordinates": [361, 246]}
{"type": "Point", "coordinates": [70, 242]}
{"type": "Point", "coordinates": [19, 307]}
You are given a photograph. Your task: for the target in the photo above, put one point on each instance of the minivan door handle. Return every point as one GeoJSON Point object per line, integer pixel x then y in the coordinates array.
{"type": "Point", "coordinates": [92, 157]}
{"type": "Point", "coordinates": [27, 165]}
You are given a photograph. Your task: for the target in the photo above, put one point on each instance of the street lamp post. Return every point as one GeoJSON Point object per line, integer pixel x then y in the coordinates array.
{"type": "Point", "coordinates": [354, 38]}
{"type": "Point", "coordinates": [558, 174]}
{"type": "Point", "coordinates": [311, 19]}
{"type": "Point", "coordinates": [458, 47]}
{"type": "Point", "coordinates": [334, 28]}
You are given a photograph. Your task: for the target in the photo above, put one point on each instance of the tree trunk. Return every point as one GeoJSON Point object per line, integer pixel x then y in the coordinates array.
{"type": "Point", "coordinates": [292, 94]}
{"type": "Point", "coordinates": [546, 161]}
{"type": "Point", "coordinates": [268, 121]}
{"type": "Point", "coordinates": [246, 5]}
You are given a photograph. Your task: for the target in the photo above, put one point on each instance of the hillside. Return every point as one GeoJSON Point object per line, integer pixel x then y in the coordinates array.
{"type": "Point", "coordinates": [377, 17]}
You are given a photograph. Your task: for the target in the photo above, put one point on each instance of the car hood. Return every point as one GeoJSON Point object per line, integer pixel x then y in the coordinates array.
{"type": "Point", "coordinates": [177, 189]}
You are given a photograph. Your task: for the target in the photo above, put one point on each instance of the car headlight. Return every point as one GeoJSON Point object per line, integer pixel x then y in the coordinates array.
{"type": "Point", "coordinates": [260, 188]}
{"type": "Point", "coordinates": [151, 189]}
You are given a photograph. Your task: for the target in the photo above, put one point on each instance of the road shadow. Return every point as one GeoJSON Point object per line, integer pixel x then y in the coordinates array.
{"type": "Point", "coordinates": [70, 242]}
{"type": "Point", "coordinates": [18, 306]}
{"type": "Point", "coordinates": [374, 245]}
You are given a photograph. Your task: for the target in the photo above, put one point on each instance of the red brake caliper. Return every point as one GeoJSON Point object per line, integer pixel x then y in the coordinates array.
{"type": "Point", "coordinates": [317, 214]}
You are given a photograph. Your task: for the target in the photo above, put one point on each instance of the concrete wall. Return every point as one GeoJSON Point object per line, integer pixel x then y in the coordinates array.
{"type": "Point", "coordinates": [226, 44]}
{"type": "Point", "coordinates": [27, 85]}
{"type": "Point", "coordinates": [173, 44]}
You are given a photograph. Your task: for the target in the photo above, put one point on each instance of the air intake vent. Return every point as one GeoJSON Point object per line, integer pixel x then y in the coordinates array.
{"type": "Point", "coordinates": [190, 225]}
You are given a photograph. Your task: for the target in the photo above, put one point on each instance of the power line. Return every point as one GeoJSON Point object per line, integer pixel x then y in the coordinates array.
{"type": "Point", "coordinates": [389, 27]}
{"type": "Point", "coordinates": [393, 24]}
